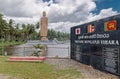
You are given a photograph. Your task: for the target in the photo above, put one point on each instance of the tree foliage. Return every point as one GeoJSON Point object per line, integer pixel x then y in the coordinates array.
{"type": "Point", "coordinates": [10, 31]}
{"type": "Point", "coordinates": [61, 36]}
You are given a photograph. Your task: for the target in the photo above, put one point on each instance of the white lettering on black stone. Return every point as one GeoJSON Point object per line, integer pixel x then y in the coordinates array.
{"type": "Point", "coordinates": [111, 42]}
{"type": "Point", "coordinates": [103, 36]}
{"type": "Point", "coordinates": [94, 36]}
{"type": "Point", "coordinates": [103, 42]}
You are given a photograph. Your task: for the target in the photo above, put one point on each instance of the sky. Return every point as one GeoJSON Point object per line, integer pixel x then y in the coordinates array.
{"type": "Point", "coordinates": [62, 14]}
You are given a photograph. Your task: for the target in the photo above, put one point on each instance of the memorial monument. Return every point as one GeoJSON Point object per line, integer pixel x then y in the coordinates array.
{"type": "Point", "coordinates": [43, 27]}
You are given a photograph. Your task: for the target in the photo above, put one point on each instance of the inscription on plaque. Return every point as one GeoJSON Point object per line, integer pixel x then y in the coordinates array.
{"type": "Point", "coordinates": [77, 53]}
{"type": "Point", "coordinates": [111, 59]}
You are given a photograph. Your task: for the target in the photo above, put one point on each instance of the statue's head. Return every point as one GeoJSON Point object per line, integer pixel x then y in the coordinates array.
{"type": "Point", "coordinates": [44, 13]}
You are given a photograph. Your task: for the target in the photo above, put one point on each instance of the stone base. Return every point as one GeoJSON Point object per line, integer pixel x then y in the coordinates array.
{"type": "Point", "coordinates": [44, 38]}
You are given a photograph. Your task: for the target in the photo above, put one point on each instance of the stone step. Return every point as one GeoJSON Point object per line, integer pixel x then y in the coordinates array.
{"type": "Point", "coordinates": [31, 58]}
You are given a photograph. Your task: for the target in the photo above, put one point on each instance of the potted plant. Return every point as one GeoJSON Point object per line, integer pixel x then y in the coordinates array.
{"type": "Point", "coordinates": [38, 50]}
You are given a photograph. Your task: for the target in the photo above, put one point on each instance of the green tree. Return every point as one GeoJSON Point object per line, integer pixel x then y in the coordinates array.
{"type": "Point", "coordinates": [61, 36]}
{"type": "Point", "coordinates": [37, 25]}
{"type": "Point", "coordinates": [11, 29]}
{"type": "Point", "coordinates": [31, 31]}
{"type": "Point", "coordinates": [3, 27]}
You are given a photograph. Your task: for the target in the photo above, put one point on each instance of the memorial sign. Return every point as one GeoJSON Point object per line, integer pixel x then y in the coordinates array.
{"type": "Point", "coordinates": [99, 43]}
{"type": "Point", "coordinates": [99, 38]}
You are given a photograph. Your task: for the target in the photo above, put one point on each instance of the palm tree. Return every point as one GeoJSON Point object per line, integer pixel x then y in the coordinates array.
{"type": "Point", "coordinates": [31, 31]}
{"type": "Point", "coordinates": [17, 32]}
{"type": "Point", "coordinates": [24, 32]}
{"type": "Point", "coordinates": [37, 34]}
{"type": "Point", "coordinates": [3, 27]}
{"type": "Point", "coordinates": [11, 29]}
{"type": "Point", "coordinates": [37, 25]}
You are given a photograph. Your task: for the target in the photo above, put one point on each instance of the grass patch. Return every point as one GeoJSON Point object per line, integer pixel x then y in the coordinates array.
{"type": "Point", "coordinates": [27, 70]}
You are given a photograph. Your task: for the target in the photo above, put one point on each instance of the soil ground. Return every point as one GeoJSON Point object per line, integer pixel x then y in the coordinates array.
{"type": "Point", "coordinates": [88, 72]}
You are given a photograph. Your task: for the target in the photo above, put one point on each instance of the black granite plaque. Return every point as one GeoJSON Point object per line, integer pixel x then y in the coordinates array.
{"type": "Point", "coordinates": [111, 63]}
{"type": "Point", "coordinates": [77, 52]}
{"type": "Point", "coordinates": [109, 69]}
{"type": "Point", "coordinates": [111, 59]}
{"type": "Point", "coordinates": [101, 48]}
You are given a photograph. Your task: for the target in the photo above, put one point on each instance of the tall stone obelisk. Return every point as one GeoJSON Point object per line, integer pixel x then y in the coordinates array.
{"type": "Point", "coordinates": [43, 27]}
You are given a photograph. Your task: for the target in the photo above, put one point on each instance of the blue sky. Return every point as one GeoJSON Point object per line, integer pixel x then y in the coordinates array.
{"type": "Point", "coordinates": [104, 4]}
{"type": "Point", "coordinates": [62, 14]}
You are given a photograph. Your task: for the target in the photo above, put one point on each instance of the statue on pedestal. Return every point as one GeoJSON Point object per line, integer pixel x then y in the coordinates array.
{"type": "Point", "coordinates": [43, 27]}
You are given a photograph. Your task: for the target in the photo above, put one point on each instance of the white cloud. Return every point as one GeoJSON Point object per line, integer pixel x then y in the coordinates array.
{"type": "Point", "coordinates": [21, 8]}
{"type": "Point", "coordinates": [62, 11]}
{"type": "Point", "coordinates": [70, 10]}
{"type": "Point", "coordinates": [61, 15]}
{"type": "Point", "coordinates": [21, 20]}
{"type": "Point", "coordinates": [62, 26]}
{"type": "Point", "coordinates": [103, 14]}
{"type": "Point", "coordinates": [65, 26]}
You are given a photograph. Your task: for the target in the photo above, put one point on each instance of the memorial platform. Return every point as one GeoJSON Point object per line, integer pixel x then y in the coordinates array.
{"type": "Point", "coordinates": [28, 59]}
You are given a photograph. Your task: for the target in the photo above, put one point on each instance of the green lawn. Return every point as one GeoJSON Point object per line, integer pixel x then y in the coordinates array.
{"type": "Point", "coordinates": [29, 70]}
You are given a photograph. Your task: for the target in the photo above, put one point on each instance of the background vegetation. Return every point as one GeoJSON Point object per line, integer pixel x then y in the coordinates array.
{"type": "Point", "coordinates": [10, 31]}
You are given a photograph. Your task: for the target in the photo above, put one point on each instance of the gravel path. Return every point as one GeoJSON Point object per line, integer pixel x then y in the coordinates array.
{"type": "Point", "coordinates": [6, 77]}
{"type": "Point", "coordinates": [87, 71]}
